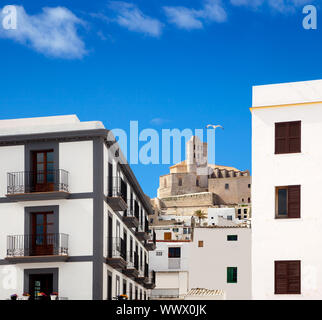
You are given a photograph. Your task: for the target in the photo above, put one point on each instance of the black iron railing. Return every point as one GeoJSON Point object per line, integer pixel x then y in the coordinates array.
{"type": "Point", "coordinates": [37, 245]}
{"type": "Point", "coordinates": [154, 237]}
{"type": "Point", "coordinates": [117, 249]}
{"type": "Point", "coordinates": [37, 181]}
{"type": "Point", "coordinates": [117, 187]}
{"type": "Point", "coordinates": [136, 261]}
{"type": "Point", "coordinates": [133, 209]}
{"type": "Point", "coordinates": [146, 270]}
{"type": "Point", "coordinates": [146, 226]}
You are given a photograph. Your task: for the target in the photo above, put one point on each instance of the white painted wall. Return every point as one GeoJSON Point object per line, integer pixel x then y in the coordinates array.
{"type": "Point", "coordinates": [77, 159]}
{"type": "Point", "coordinates": [214, 213]}
{"type": "Point", "coordinates": [161, 263]}
{"type": "Point", "coordinates": [12, 159]}
{"type": "Point", "coordinates": [208, 264]}
{"type": "Point", "coordinates": [74, 279]}
{"type": "Point", "coordinates": [286, 239]}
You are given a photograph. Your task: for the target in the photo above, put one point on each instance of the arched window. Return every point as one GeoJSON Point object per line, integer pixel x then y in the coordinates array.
{"type": "Point", "coordinates": [179, 182]}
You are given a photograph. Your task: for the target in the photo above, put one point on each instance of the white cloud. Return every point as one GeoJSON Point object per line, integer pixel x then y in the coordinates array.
{"type": "Point", "coordinates": [52, 32]}
{"type": "Point", "coordinates": [188, 18]}
{"type": "Point", "coordinates": [183, 18]}
{"type": "Point", "coordinates": [132, 18]}
{"type": "Point", "coordinates": [282, 6]}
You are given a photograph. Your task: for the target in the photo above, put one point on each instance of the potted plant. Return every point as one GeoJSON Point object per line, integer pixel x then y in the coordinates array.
{"type": "Point", "coordinates": [54, 296]}
{"type": "Point", "coordinates": [25, 296]}
{"type": "Point", "coordinates": [42, 296]}
{"type": "Point", "coordinates": [13, 297]}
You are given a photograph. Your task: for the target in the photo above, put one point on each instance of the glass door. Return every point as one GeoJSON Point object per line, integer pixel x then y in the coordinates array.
{"type": "Point", "coordinates": [43, 171]}
{"type": "Point", "coordinates": [42, 237]}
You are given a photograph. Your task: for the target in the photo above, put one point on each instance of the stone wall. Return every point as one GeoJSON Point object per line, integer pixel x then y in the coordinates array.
{"type": "Point", "coordinates": [238, 190]}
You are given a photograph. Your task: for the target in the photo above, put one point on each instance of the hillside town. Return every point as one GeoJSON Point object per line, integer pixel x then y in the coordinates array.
{"type": "Point", "coordinates": [75, 223]}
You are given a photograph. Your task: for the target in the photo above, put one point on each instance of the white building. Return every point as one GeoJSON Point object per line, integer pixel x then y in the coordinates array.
{"type": "Point", "coordinates": [73, 218]}
{"type": "Point", "coordinates": [215, 258]}
{"type": "Point", "coordinates": [214, 215]}
{"type": "Point", "coordinates": [287, 163]}
{"type": "Point", "coordinates": [220, 259]}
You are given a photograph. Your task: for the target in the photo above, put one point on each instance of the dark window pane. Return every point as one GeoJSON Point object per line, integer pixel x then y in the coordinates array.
{"type": "Point", "coordinates": [50, 157]}
{"type": "Point", "coordinates": [282, 202]}
{"type": "Point", "coordinates": [40, 157]}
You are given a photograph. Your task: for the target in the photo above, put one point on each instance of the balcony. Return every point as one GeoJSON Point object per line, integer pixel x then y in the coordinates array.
{"type": "Point", "coordinates": [116, 253]}
{"type": "Point", "coordinates": [142, 233]}
{"type": "Point", "coordinates": [117, 194]}
{"type": "Point", "coordinates": [151, 244]}
{"type": "Point", "coordinates": [150, 283]}
{"type": "Point", "coordinates": [132, 266]}
{"type": "Point", "coordinates": [140, 279]}
{"type": "Point", "coordinates": [37, 247]}
{"type": "Point", "coordinates": [37, 185]}
{"type": "Point", "coordinates": [131, 216]}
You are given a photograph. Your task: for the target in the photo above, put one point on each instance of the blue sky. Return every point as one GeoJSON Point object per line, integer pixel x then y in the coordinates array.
{"type": "Point", "coordinates": [186, 63]}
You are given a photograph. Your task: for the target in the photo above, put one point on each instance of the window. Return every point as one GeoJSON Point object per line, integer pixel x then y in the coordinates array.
{"type": "Point", "coordinates": [239, 211]}
{"type": "Point", "coordinates": [231, 274]}
{"type": "Point", "coordinates": [288, 137]}
{"type": "Point", "coordinates": [200, 244]}
{"type": "Point", "coordinates": [226, 186]}
{"type": "Point", "coordinates": [248, 200]}
{"type": "Point", "coordinates": [158, 253]}
{"type": "Point", "coordinates": [179, 182]}
{"type": "Point", "coordinates": [197, 182]}
{"type": "Point", "coordinates": [175, 230]}
{"type": "Point", "coordinates": [245, 211]}
{"type": "Point", "coordinates": [229, 217]}
{"type": "Point", "coordinates": [249, 185]}
{"type": "Point", "coordinates": [288, 202]}
{"type": "Point", "coordinates": [245, 216]}
{"type": "Point", "coordinates": [167, 236]}
{"type": "Point", "coordinates": [175, 252]}
{"type": "Point", "coordinates": [232, 237]}
{"type": "Point", "coordinates": [287, 277]}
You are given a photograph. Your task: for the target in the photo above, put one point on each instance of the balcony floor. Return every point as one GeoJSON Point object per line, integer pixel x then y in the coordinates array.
{"type": "Point", "coordinates": [52, 195]}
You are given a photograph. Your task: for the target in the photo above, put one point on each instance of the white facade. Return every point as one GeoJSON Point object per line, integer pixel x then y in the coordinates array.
{"type": "Point", "coordinates": [211, 253]}
{"type": "Point", "coordinates": [286, 239]}
{"type": "Point", "coordinates": [79, 209]}
{"type": "Point", "coordinates": [203, 263]}
{"type": "Point", "coordinates": [214, 214]}
{"type": "Point", "coordinates": [172, 274]}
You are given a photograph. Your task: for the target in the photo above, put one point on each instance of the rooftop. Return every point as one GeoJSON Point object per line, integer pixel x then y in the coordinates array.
{"type": "Point", "coordinates": [46, 125]}
{"type": "Point", "coordinates": [290, 93]}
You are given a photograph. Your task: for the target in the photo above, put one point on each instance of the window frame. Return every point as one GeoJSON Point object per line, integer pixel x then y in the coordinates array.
{"type": "Point", "coordinates": [287, 137]}
{"type": "Point", "coordinates": [287, 216]}
{"type": "Point", "coordinates": [234, 278]}
{"type": "Point", "coordinates": [229, 237]}
{"type": "Point", "coordinates": [176, 253]}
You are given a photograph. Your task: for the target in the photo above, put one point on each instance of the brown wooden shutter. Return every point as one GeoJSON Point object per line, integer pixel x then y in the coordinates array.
{"type": "Point", "coordinates": [294, 277]}
{"type": "Point", "coordinates": [294, 137]}
{"type": "Point", "coordinates": [288, 137]}
{"type": "Point", "coordinates": [281, 132]}
{"type": "Point", "coordinates": [281, 283]}
{"type": "Point", "coordinates": [294, 202]}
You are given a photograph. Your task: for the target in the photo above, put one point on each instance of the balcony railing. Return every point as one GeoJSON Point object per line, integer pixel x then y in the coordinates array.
{"type": "Point", "coordinates": [117, 248]}
{"type": "Point", "coordinates": [50, 244]}
{"type": "Point", "coordinates": [117, 193]}
{"type": "Point", "coordinates": [117, 188]}
{"type": "Point", "coordinates": [37, 181]}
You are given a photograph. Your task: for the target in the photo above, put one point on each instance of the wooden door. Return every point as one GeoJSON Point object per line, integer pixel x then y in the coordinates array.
{"type": "Point", "coordinates": [43, 171]}
{"type": "Point", "coordinates": [42, 238]}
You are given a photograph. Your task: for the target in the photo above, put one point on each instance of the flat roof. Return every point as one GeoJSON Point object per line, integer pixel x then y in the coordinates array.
{"type": "Point", "coordinates": [285, 94]}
